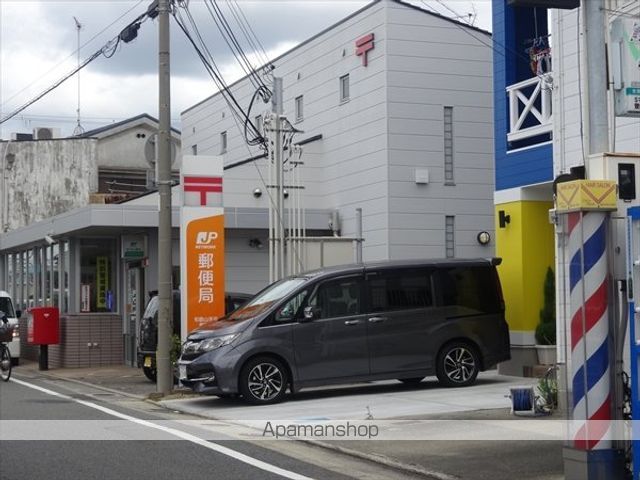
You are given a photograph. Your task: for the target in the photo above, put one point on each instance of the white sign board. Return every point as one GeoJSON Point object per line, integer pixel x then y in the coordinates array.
{"type": "Point", "coordinates": [625, 60]}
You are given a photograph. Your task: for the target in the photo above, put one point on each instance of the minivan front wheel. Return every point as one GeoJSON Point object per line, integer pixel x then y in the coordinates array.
{"type": "Point", "coordinates": [263, 380]}
{"type": "Point", "coordinates": [458, 365]}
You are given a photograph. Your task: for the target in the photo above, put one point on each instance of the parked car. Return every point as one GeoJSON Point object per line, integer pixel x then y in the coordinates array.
{"type": "Point", "coordinates": [389, 320]}
{"type": "Point", "coordinates": [6, 306]}
{"type": "Point", "coordinates": [148, 332]}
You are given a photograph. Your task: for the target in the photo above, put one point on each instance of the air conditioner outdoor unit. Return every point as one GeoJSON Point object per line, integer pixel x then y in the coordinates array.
{"type": "Point", "coordinates": [45, 133]}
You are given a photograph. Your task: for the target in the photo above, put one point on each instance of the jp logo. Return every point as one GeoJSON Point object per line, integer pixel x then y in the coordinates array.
{"type": "Point", "coordinates": [206, 238]}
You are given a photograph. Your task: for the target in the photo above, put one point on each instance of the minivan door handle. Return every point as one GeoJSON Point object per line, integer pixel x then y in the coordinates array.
{"type": "Point", "coordinates": [377, 319]}
{"type": "Point", "coordinates": [352, 322]}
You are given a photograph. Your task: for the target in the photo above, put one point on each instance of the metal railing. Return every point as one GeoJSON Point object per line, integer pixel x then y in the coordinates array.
{"type": "Point", "coordinates": [530, 108]}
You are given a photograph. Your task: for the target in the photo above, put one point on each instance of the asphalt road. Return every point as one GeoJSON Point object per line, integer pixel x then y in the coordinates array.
{"type": "Point", "coordinates": [93, 435]}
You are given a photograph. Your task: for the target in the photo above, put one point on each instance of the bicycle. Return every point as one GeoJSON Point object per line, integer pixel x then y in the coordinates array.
{"type": "Point", "coordinates": [6, 335]}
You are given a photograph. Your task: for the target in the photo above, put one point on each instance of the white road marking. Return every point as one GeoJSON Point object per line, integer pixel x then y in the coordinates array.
{"type": "Point", "coordinates": [241, 457]}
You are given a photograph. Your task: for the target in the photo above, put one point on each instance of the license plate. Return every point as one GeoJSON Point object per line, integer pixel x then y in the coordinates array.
{"type": "Point", "coordinates": [183, 371]}
{"type": "Point", "coordinates": [147, 362]}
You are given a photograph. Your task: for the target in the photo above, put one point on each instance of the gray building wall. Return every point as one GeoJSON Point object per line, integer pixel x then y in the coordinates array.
{"type": "Point", "coordinates": [125, 148]}
{"type": "Point", "coordinates": [433, 63]}
{"type": "Point", "coordinates": [42, 178]}
{"type": "Point", "coordinates": [372, 144]}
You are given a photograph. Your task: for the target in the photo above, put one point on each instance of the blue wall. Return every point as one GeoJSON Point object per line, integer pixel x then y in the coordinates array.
{"type": "Point", "coordinates": [511, 28]}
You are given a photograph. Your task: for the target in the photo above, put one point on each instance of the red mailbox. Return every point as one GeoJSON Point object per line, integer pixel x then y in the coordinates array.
{"type": "Point", "coordinates": [43, 326]}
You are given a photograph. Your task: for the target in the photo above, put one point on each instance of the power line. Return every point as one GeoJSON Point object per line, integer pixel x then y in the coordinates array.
{"type": "Point", "coordinates": [108, 50]}
{"type": "Point", "coordinates": [232, 42]}
{"type": "Point", "coordinates": [210, 65]}
{"type": "Point", "coordinates": [77, 51]}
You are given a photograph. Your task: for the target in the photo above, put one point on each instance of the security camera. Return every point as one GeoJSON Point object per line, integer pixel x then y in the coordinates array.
{"type": "Point", "coordinates": [49, 239]}
{"type": "Point", "coordinates": [257, 192]}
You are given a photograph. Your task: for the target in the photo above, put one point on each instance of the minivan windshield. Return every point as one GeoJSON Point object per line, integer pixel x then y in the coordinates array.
{"type": "Point", "coordinates": [266, 298]}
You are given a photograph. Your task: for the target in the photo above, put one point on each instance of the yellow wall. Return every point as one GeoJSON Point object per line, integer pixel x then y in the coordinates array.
{"type": "Point", "coordinates": [526, 246]}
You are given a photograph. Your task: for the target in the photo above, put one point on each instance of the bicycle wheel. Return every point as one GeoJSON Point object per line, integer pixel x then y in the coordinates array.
{"type": "Point", "coordinates": [5, 363]}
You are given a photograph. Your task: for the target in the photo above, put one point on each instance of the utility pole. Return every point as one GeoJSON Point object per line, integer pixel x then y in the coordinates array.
{"type": "Point", "coordinates": [78, 130]}
{"type": "Point", "coordinates": [276, 230]}
{"type": "Point", "coordinates": [596, 78]}
{"type": "Point", "coordinates": [163, 361]}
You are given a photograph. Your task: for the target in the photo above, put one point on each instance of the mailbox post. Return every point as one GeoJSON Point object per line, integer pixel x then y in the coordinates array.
{"type": "Point", "coordinates": [43, 328]}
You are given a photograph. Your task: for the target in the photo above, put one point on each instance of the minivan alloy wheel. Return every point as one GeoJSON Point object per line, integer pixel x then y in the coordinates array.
{"type": "Point", "coordinates": [263, 380]}
{"type": "Point", "coordinates": [457, 365]}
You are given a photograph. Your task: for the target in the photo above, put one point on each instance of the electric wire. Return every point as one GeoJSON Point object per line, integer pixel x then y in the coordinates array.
{"type": "Point", "coordinates": [108, 50]}
{"type": "Point", "coordinates": [457, 15]}
{"type": "Point", "coordinates": [72, 54]}
{"type": "Point", "coordinates": [231, 40]}
{"type": "Point", "coordinates": [209, 63]}
{"type": "Point", "coordinates": [492, 45]}
{"type": "Point", "coordinates": [238, 114]}
{"type": "Point", "coordinates": [255, 137]}
{"type": "Point", "coordinates": [252, 39]}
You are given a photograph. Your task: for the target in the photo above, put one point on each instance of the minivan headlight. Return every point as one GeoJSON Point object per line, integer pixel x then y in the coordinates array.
{"type": "Point", "coordinates": [216, 342]}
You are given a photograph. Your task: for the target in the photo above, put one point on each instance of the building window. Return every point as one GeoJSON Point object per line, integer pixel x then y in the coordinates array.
{"type": "Point", "coordinates": [194, 149]}
{"type": "Point", "coordinates": [97, 275]}
{"type": "Point", "coordinates": [223, 142]}
{"type": "Point", "coordinates": [258, 124]}
{"type": "Point", "coordinates": [449, 236]}
{"type": "Point", "coordinates": [344, 88]}
{"type": "Point", "coordinates": [448, 146]}
{"type": "Point", "coordinates": [299, 109]}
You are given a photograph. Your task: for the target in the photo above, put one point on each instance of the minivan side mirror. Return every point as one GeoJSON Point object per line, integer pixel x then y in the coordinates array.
{"type": "Point", "coordinates": [18, 313]}
{"type": "Point", "coordinates": [310, 313]}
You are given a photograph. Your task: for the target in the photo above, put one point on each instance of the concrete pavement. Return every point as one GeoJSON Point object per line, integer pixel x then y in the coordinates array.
{"type": "Point", "coordinates": [378, 401]}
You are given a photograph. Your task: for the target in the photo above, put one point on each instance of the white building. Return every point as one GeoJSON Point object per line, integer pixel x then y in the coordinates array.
{"type": "Point", "coordinates": [404, 132]}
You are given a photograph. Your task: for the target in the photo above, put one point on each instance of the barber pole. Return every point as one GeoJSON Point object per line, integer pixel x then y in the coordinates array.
{"type": "Point", "coordinates": [589, 330]}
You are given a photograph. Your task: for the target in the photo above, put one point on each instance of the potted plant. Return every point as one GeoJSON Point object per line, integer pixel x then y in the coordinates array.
{"type": "Point", "coordinates": [546, 329]}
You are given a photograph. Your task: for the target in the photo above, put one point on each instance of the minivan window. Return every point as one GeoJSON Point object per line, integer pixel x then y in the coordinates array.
{"type": "Point", "coordinates": [7, 307]}
{"type": "Point", "coordinates": [291, 309]}
{"type": "Point", "coordinates": [267, 297]}
{"type": "Point", "coordinates": [337, 298]}
{"type": "Point", "coordinates": [471, 289]}
{"type": "Point", "coordinates": [400, 291]}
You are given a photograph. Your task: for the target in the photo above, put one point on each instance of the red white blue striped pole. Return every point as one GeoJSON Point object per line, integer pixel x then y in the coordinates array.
{"type": "Point", "coordinates": [590, 374]}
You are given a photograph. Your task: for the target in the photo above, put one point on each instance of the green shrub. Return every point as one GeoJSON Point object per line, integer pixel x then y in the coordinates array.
{"type": "Point", "coordinates": [546, 329]}
{"type": "Point", "coordinates": [176, 345]}
{"type": "Point", "coordinates": [546, 333]}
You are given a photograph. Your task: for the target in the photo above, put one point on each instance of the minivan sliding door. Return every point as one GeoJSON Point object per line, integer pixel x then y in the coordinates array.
{"type": "Point", "coordinates": [400, 320]}
{"type": "Point", "coordinates": [334, 343]}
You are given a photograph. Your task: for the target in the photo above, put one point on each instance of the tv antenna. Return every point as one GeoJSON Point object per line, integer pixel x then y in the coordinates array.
{"type": "Point", "coordinates": [78, 130]}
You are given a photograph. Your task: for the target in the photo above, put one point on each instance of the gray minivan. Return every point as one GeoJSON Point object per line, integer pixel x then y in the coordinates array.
{"type": "Point", "coordinates": [388, 320]}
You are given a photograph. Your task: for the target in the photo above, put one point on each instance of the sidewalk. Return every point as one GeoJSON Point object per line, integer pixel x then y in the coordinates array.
{"type": "Point", "coordinates": [446, 460]}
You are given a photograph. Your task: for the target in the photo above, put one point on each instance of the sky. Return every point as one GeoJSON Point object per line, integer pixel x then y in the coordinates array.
{"type": "Point", "coordinates": [39, 43]}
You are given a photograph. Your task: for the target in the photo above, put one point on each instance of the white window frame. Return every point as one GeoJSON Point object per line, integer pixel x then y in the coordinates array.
{"type": "Point", "coordinates": [223, 142]}
{"type": "Point", "coordinates": [345, 93]}
{"type": "Point", "coordinates": [257, 121]}
{"type": "Point", "coordinates": [450, 236]}
{"type": "Point", "coordinates": [448, 146]}
{"type": "Point", "coordinates": [299, 108]}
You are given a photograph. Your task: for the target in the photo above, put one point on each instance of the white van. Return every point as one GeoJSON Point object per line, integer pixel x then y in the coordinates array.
{"type": "Point", "coordinates": [6, 306]}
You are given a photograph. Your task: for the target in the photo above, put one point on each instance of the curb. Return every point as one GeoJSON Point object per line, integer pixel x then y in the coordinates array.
{"type": "Point", "coordinates": [374, 458]}
{"type": "Point", "coordinates": [384, 460]}
{"type": "Point", "coordinates": [46, 373]}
